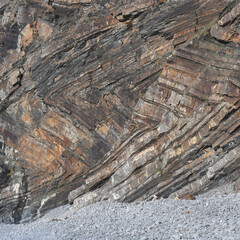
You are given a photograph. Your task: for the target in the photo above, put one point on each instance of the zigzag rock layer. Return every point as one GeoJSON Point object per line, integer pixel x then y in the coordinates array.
{"type": "Point", "coordinates": [116, 100]}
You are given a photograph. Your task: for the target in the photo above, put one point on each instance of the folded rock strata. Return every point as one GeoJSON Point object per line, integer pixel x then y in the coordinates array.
{"type": "Point", "coordinates": [108, 100]}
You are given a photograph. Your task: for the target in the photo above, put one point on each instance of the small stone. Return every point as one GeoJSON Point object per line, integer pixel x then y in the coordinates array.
{"type": "Point", "coordinates": [187, 196]}
{"type": "Point", "coordinates": [237, 185]}
{"type": "Point", "coordinates": [154, 197]}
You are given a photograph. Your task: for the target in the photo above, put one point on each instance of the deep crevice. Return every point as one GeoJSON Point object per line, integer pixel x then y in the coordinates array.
{"type": "Point", "coordinates": [99, 184]}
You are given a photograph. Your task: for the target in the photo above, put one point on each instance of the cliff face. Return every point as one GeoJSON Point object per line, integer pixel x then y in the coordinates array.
{"type": "Point", "coordinates": [116, 100]}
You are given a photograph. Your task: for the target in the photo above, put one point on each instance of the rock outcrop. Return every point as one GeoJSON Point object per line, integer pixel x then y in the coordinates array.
{"type": "Point", "coordinates": [116, 100]}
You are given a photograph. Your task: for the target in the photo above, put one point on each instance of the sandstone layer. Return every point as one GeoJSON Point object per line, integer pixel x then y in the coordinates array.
{"type": "Point", "coordinates": [116, 100]}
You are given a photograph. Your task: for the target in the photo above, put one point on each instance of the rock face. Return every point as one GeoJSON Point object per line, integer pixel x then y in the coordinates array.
{"type": "Point", "coordinates": [116, 100]}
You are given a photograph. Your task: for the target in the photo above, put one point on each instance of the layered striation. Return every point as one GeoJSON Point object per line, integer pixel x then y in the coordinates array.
{"type": "Point", "coordinates": [108, 100]}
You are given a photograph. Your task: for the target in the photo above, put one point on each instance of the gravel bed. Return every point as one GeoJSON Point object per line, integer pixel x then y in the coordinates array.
{"type": "Point", "coordinates": [215, 216]}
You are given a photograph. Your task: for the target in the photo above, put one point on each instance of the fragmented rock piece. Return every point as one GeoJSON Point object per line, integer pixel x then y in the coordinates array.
{"type": "Point", "coordinates": [237, 185]}
{"type": "Point", "coordinates": [187, 196]}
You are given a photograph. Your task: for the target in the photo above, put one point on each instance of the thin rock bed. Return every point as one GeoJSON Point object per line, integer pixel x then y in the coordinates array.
{"type": "Point", "coordinates": [215, 217]}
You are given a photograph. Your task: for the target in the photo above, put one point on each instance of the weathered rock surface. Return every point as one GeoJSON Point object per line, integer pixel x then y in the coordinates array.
{"type": "Point", "coordinates": [108, 100]}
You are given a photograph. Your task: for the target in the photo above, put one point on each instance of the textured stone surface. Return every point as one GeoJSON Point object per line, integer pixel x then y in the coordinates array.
{"type": "Point", "coordinates": [228, 28]}
{"type": "Point", "coordinates": [113, 100]}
